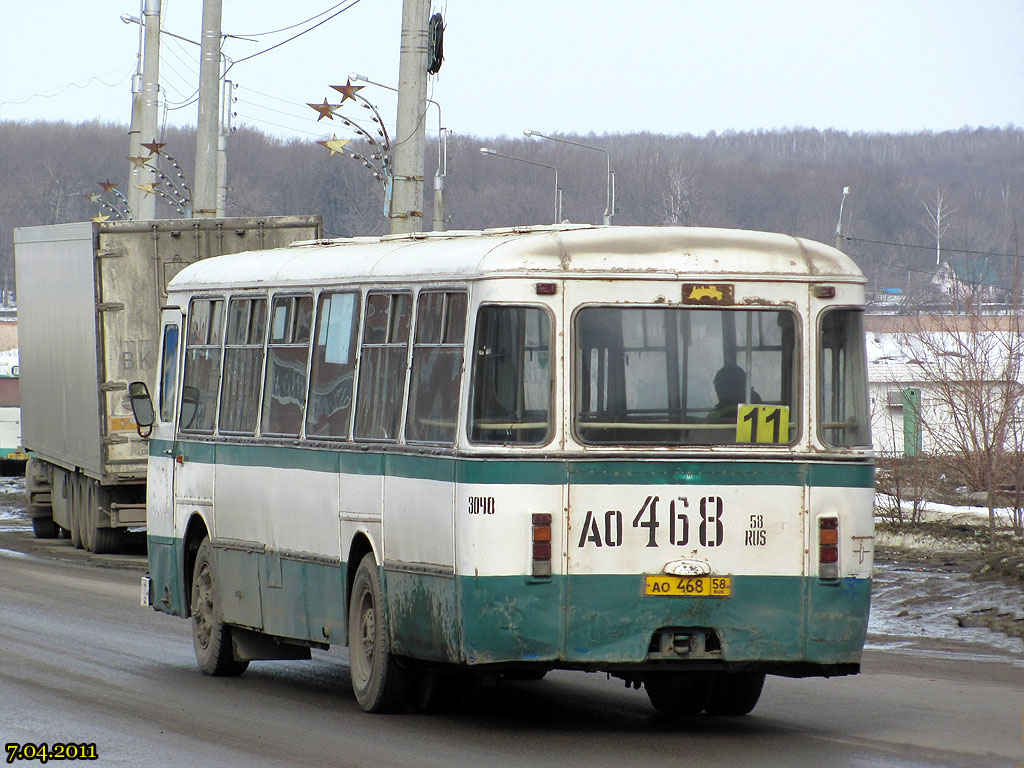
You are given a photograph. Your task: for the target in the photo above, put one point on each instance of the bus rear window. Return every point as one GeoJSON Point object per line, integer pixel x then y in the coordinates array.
{"type": "Point", "coordinates": [512, 377]}
{"type": "Point", "coordinates": [670, 376]}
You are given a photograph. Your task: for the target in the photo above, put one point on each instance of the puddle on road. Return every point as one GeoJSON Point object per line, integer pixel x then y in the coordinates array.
{"type": "Point", "coordinates": [12, 503]}
{"type": "Point", "coordinates": [935, 601]}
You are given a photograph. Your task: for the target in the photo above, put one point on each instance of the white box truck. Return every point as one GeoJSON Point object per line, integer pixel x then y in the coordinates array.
{"type": "Point", "coordinates": [89, 297]}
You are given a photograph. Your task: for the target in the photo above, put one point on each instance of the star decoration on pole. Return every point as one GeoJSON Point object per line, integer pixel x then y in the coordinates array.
{"type": "Point", "coordinates": [154, 147]}
{"type": "Point", "coordinates": [138, 161]}
{"type": "Point", "coordinates": [149, 187]}
{"type": "Point", "coordinates": [335, 144]}
{"type": "Point", "coordinates": [326, 110]}
{"type": "Point", "coordinates": [347, 91]}
{"type": "Point", "coordinates": [377, 157]}
{"type": "Point", "coordinates": [118, 206]}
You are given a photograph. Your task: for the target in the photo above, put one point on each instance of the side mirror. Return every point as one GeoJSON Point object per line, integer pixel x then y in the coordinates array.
{"type": "Point", "coordinates": [142, 407]}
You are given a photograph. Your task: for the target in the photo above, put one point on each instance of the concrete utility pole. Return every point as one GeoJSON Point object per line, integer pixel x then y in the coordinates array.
{"type": "Point", "coordinates": [144, 112]}
{"type": "Point", "coordinates": [222, 148]}
{"type": "Point", "coordinates": [410, 131]}
{"type": "Point", "coordinates": [204, 191]}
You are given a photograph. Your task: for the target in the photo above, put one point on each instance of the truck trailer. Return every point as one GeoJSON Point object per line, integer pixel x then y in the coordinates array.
{"type": "Point", "coordinates": [89, 299]}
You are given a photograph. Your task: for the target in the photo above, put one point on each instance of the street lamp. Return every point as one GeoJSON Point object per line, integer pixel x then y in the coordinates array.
{"type": "Point", "coordinates": [558, 192]}
{"type": "Point", "coordinates": [442, 153]}
{"type": "Point", "coordinates": [609, 205]}
{"type": "Point", "coordinates": [839, 224]}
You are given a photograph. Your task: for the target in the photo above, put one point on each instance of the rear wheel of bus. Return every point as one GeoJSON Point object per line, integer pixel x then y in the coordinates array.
{"type": "Point", "coordinates": [378, 681]}
{"type": "Point", "coordinates": [735, 693]}
{"type": "Point", "coordinates": [211, 638]}
{"type": "Point", "coordinates": [679, 694]}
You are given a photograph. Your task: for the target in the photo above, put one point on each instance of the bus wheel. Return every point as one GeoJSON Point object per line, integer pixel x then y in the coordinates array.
{"type": "Point", "coordinates": [211, 638]}
{"type": "Point", "coordinates": [679, 694]}
{"type": "Point", "coordinates": [378, 681]}
{"type": "Point", "coordinates": [735, 693]}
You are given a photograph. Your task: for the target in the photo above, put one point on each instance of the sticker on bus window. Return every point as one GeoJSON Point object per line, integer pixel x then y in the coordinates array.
{"type": "Point", "coordinates": [762, 424]}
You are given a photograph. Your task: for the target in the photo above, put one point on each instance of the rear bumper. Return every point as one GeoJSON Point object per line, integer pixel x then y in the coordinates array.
{"type": "Point", "coordinates": [784, 622]}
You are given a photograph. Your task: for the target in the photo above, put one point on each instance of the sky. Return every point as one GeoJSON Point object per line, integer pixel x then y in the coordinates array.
{"type": "Point", "coordinates": [554, 66]}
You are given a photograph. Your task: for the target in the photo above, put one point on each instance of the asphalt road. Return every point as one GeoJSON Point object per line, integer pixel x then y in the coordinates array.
{"type": "Point", "coordinates": [81, 662]}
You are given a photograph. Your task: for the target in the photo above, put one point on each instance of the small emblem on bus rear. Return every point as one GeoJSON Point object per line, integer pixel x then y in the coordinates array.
{"type": "Point", "coordinates": [687, 568]}
{"type": "Point", "coordinates": [708, 293]}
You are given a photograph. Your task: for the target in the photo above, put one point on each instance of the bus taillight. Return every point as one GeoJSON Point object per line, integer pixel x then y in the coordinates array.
{"type": "Point", "coordinates": [828, 547]}
{"type": "Point", "coordinates": [541, 544]}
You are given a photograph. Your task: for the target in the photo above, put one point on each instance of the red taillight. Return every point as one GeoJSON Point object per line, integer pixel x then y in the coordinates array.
{"type": "Point", "coordinates": [541, 544]}
{"type": "Point", "coordinates": [828, 547]}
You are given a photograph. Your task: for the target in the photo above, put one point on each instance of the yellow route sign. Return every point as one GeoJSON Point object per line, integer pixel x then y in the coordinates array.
{"type": "Point", "coordinates": [762, 423]}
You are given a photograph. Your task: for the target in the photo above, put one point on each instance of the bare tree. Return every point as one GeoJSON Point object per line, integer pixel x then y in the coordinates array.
{"type": "Point", "coordinates": [682, 198]}
{"type": "Point", "coordinates": [938, 219]}
{"type": "Point", "coordinates": [971, 365]}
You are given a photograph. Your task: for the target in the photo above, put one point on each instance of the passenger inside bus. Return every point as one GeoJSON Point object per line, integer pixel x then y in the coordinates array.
{"type": "Point", "coordinates": [731, 387]}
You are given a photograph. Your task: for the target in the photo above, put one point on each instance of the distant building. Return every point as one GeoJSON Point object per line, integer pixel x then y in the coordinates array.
{"type": "Point", "coordinates": [908, 415]}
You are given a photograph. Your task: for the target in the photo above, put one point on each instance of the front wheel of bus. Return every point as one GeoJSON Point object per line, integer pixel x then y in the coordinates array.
{"type": "Point", "coordinates": [378, 681]}
{"type": "Point", "coordinates": [735, 693]}
{"type": "Point", "coordinates": [211, 638]}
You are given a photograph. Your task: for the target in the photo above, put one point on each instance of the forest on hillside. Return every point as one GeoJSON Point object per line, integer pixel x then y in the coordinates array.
{"type": "Point", "coordinates": [963, 188]}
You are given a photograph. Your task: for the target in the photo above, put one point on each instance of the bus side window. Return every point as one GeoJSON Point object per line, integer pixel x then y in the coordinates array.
{"type": "Point", "coordinates": [202, 365]}
{"type": "Point", "coordinates": [842, 380]}
{"type": "Point", "coordinates": [436, 367]}
{"type": "Point", "coordinates": [512, 377]}
{"type": "Point", "coordinates": [382, 366]}
{"type": "Point", "coordinates": [334, 364]}
{"type": "Point", "coordinates": [284, 391]}
{"type": "Point", "coordinates": [243, 363]}
{"type": "Point", "coordinates": [168, 372]}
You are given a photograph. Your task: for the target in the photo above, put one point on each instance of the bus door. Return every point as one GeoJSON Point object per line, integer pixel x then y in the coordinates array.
{"type": "Point", "coordinates": [160, 473]}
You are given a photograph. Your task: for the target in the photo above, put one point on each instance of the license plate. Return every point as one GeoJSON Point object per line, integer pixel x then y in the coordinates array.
{"type": "Point", "coordinates": [688, 586]}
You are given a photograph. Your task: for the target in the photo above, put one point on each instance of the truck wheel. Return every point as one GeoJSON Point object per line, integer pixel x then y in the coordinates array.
{"type": "Point", "coordinates": [735, 693]}
{"type": "Point", "coordinates": [679, 694]}
{"type": "Point", "coordinates": [211, 638]}
{"type": "Point", "coordinates": [379, 683]}
{"type": "Point", "coordinates": [44, 528]}
{"type": "Point", "coordinates": [74, 513]}
{"type": "Point", "coordinates": [107, 540]}
{"type": "Point", "coordinates": [85, 496]}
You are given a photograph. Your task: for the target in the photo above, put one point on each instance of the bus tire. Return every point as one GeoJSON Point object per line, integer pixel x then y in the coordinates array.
{"type": "Point", "coordinates": [44, 528]}
{"type": "Point", "coordinates": [380, 684]}
{"type": "Point", "coordinates": [735, 693]}
{"type": "Point", "coordinates": [211, 638]}
{"type": "Point", "coordinates": [679, 694]}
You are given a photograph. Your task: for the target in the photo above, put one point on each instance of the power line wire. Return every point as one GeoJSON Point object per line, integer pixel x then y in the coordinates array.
{"type": "Point", "coordinates": [276, 125]}
{"type": "Point", "coordinates": [294, 37]}
{"type": "Point", "coordinates": [292, 26]}
{"type": "Point", "coordinates": [932, 248]}
{"type": "Point", "coordinates": [86, 84]}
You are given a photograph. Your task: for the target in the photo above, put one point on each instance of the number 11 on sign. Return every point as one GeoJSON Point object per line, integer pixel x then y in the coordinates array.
{"type": "Point", "coordinates": [762, 424]}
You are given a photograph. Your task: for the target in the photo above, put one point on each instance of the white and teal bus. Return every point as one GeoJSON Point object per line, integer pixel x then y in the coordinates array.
{"type": "Point", "coordinates": [640, 451]}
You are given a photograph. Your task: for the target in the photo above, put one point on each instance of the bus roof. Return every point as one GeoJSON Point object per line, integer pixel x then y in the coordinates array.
{"type": "Point", "coordinates": [552, 251]}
